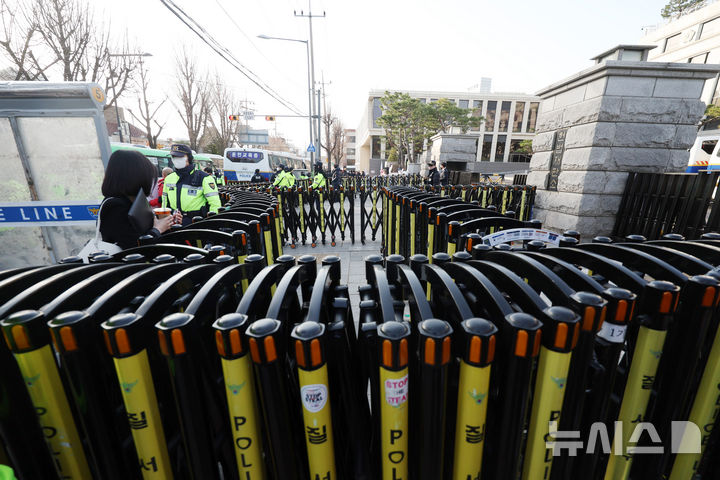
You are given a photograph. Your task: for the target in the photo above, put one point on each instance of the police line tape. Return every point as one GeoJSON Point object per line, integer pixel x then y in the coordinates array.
{"type": "Point", "coordinates": [487, 363]}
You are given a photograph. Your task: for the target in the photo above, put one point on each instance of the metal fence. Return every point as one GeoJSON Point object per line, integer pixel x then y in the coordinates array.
{"type": "Point", "coordinates": [654, 204]}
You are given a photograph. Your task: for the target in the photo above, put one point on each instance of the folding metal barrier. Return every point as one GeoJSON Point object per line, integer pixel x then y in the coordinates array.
{"type": "Point", "coordinates": [479, 363]}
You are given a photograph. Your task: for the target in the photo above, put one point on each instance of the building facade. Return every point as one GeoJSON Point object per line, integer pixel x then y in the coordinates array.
{"type": "Point", "coordinates": [692, 38]}
{"type": "Point", "coordinates": [509, 119]}
{"type": "Point", "coordinates": [349, 148]}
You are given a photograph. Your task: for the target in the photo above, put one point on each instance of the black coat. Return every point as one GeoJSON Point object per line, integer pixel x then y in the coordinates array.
{"type": "Point", "coordinates": [115, 226]}
{"type": "Point", "coordinates": [433, 177]}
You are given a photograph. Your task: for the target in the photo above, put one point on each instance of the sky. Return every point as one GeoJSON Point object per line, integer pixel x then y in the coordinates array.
{"type": "Point", "coordinates": [523, 45]}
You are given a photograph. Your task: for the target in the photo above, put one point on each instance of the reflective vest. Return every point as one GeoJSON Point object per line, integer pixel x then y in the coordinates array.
{"type": "Point", "coordinates": [319, 181]}
{"type": "Point", "coordinates": [193, 193]}
{"type": "Point", "coordinates": [279, 178]}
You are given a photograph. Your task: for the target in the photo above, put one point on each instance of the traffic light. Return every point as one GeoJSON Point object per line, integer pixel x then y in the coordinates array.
{"type": "Point", "coordinates": [234, 117]}
{"type": "Point", "coordinates": [269, 118]}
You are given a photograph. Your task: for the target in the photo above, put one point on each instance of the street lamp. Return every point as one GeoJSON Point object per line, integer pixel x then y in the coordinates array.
{"type": "Point", "coordinates": [112, 74]}
{"type": "Point", "coordinates": [311, 83]}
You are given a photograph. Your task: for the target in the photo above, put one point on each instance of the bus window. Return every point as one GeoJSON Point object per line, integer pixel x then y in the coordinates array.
{"type": "Point", "coordinates": [708, 146]}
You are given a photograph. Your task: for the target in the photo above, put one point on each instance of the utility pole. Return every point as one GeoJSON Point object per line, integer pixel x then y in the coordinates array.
{"type": "Point", "coordinates": [328, 132]}
{"type": "Point", "coordinates": [310, 16]}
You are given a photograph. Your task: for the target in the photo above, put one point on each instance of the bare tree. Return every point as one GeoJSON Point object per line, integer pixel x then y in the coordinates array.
{"type": "Point", "coordinates": [223, 104]}
{"type": "Point", "coordinates": [64, 40]}
{"type": "Point", "coordinates": [334, 136]}
{"type": "Point", "coordinates": [148, 109]}
{"type": "Point", "coordinates": [193, 94]}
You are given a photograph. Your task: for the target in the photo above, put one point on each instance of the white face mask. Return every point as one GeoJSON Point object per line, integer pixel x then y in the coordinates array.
{"type": "Point", "coordinates": [179, 162]}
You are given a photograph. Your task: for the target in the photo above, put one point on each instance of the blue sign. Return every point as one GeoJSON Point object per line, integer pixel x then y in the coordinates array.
{"type": "Point", "coordinates": [243, 155]}
{"type": "Point", "coordinates": [311, 148]}
{"type": "Point", "coordinates": [48, 214]}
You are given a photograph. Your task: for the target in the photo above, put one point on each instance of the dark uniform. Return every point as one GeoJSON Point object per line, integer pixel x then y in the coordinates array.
{"type": "Point", "coordinates": [433, 178]}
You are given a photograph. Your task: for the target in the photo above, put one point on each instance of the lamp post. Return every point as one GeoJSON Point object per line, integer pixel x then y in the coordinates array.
{"type": "Point", "coordinates": [311, 82]}
{"type": "Point", "coordinates": [112, 74]}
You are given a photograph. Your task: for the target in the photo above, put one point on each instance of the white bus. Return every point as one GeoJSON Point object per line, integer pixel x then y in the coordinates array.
{"type": "Point", "coordinates": [239, 164]}
{"type": "Point", "coordinates": [705, 152]}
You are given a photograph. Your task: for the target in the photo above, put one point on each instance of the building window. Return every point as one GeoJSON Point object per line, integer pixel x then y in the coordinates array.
{"type": "Point", "coordinates": [464, 103]}
{"type": "Point", "coordinates": [515, 154]}
{"type": "Point", "coordinates": [375, 152]}
{"type": "Point", "coordinates": [519, 111]}
{"type": "Point", "coordinates": [671, 43]}
{"type": "Point", "coordinates": [486, 148]}
{"type": "Point", "coordinates": [351, 139]}
{"type": "Point", "coordinates": [710, 28]}
{"type": "Point", "coordinates": [433, 100]}
{"type": "Point", "coordinates": [376, 111]}
{"type": "Point", "coordinates": [477, 112]}
{"type": "Point", "coordinates": [504, 117]}
{"type": "Point", "coordinates": [350, 151]}
{"type": "Point", "coordinates": [702, 58]}
{"type": "Point", "coordinates": [490, 116]}
{"type": "Point", "coordinates": [500, 148]}
{"type": "Point", "coordinates": [532, 116]}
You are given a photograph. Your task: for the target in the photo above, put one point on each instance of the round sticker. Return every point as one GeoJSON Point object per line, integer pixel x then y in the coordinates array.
{"type": "Point", "coordinates": [98, 94]}
{"type": "Point", "coordinates": [314, 397]}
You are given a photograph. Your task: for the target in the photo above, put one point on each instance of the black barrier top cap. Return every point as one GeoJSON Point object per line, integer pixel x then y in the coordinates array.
{"type": "Point", "coordinates": [535, 245]}
{"type": "Point", "coordinates": [61, 328]}
{"type": "Point", "coordinates": [710, 236]}
{"type": "Point", "coordinates": [714, 274]}
{"type": "Point", "coordinates": [230, 335]}
{"type": "Point", "coordinates": [100, 258]}
{"type": "Point", "coordinates": [306, 259]}
{"type": "Point", "coordinates": [479, 341]}
{"type": "Point", "coordinates": [568, 241]}
{"type": "Point", "coordinates": [635, 238]}
{"type": "Point", "coordinates": [702, 291]}
{"type": "Point", "coordinates": [502, 247]}
{"type": "Point", "coordinates": [122, 338]}
{"type": "Point", "coordinates": [164, 258]}
{"type": "Point", "coordinates": [673, 236]}
{"type": "Point", "coordinates": [572, 233]}
{"type": "Point", "coordinates": [461, 257]}
{"type": "Point", "coordinates": [170, 334]}
{"type": "Point", "coordinates": [71, 259]}
{"type": "Point", "coordinates": [621, 305]}
{"type": "Point", "coordinates": [394, 340]}
{"type": "Point", "coordinates": [134, 258]}
{"type": "Point", "coordinates": [286, 259]}
{"type": "Point", "coordinates": [394, 258]}
{"type": "Point", "coordinates": [25, 330]}
{"type": "Point", "coordinates": [526, 336]}
{"type": "Point", "coordinates": [479, 251]}
{"type": "Point", "coordinates": [255, 257]}
{"type": "Point", "coordinates": [309, 351]}
{"type": "Point", "coordinates": [263, 347]}
{"type": "Point", "coordinates": [440, 257]}
{"type": "Point", "coordinates": [194, 259]}
{"type": "Point", "coordinates": [221, 259]}
{"type": "Point", "coordinates": [601, 239]}
{"type": "Point", "coordinates": [660, 299]}
{"type": "Point", "coordinates": [562, 331]}
{"type": "Point", "coordinates": [434, 348]}
{"type": "Point", "coordinates": [592, 308]}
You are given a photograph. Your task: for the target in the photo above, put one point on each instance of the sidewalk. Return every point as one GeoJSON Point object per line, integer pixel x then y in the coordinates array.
{"type": "Point", "coordinates": [352, 259]}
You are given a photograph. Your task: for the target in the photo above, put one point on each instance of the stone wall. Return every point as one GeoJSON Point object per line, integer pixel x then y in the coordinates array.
{"type": "Point", "coordinates": [619, 117]}
{"type": "Point", "coordinates": [453, 148]}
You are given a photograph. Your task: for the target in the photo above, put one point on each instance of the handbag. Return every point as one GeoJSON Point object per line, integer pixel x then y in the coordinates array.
{"type": "Point", "coordinates": [96, 244]}
{"type": "Point", "coordinates": [140, 215]}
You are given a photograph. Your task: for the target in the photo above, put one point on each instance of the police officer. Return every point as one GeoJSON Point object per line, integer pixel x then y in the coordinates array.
{"type": "Point", "coordinates": [279, 175]}
{"type": "Point", "coordinates": [319, 179]}
{"type": "Point", "coordinates": [433, 178]}
{"type": "Point", "coordinates": [188, 190]}
{"type": "Point", "coordinates": [219, 180]}
{"type": "Point", "coordinates": [257, 178]}
{"type": "Point", "coordinates": [336, 178]}
{"type": "Point", "coordinates": [289, 179]}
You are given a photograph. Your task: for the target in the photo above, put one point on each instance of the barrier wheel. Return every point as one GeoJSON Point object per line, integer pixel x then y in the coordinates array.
{"type": "Point", "coordinates": [292, 245]}
{"type": "Point", "coordinates": [332, 244]}
{"type": "Point", "coordinates": [313, 245]}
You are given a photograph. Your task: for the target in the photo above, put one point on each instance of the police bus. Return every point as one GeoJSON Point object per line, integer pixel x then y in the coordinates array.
{"type": "Point", "coordinates": [705, 152]}
{"type": "Point", "coordinates": [240, 163]}
{"type": "Point", "coordinates": [162, 158]}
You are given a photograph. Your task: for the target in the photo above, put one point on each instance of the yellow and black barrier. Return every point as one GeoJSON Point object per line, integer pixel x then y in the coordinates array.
{"type": "Point", "coordinates": [463, 381]}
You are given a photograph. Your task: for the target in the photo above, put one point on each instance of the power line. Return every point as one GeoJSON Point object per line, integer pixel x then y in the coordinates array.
{"type": "Point", "coordinates": [281, 72]}
{"type": "Point", "coordinates": [222, 51]}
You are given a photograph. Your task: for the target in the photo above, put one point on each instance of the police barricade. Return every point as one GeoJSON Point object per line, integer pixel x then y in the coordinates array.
{"type": "Point", "coordinates": [595, 360]}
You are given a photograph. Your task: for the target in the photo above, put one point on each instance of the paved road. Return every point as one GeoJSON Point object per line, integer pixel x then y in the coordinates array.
{"type": "Point", "coordinates": [351, 259]}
